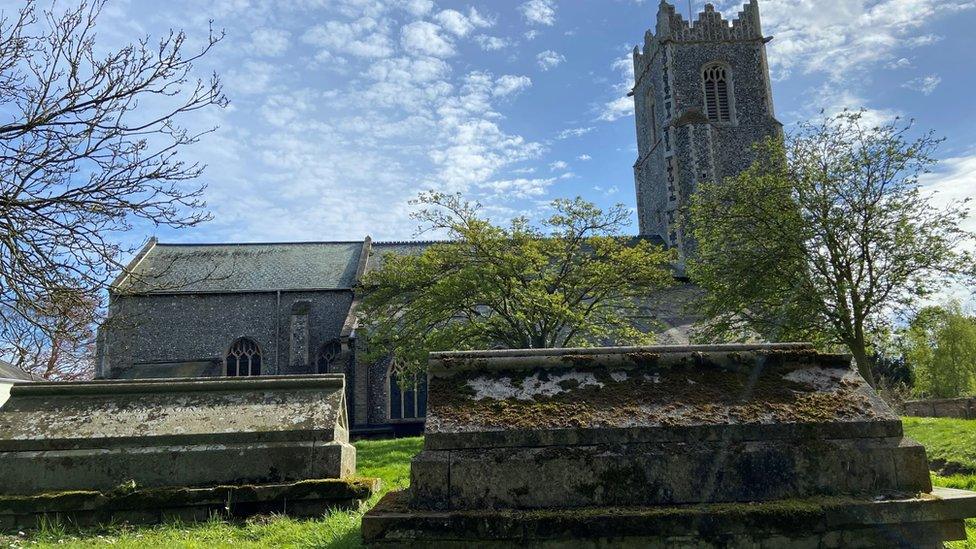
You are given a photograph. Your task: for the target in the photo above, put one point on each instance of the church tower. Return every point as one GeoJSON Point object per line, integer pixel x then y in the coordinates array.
{"type": "Point", "coordinates": [702, 99]}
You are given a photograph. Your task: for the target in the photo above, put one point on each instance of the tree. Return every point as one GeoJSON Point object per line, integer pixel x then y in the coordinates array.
{"type": "Point", "coordinates": [826, 236]}
{"type": "Point", "coordinates": [89, 143]}
{"type": "Point", "coordinates": [941, 349]}
{"type": "Point", "coordinates": [572, 281]}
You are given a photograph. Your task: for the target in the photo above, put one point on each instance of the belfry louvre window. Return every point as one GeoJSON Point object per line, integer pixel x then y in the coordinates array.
{"type": "Point", "coordinates": [244, 358]}
{"type": "Point", "coordinates": [718, 103]}
{"type": "Point", "coordinates": [328, 359]}
{"type": "Point", "coordinates": [409, 402]}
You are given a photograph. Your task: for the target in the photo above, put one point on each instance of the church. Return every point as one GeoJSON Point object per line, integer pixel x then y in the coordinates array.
{"type": "Point", "coordinates": [702, 98]}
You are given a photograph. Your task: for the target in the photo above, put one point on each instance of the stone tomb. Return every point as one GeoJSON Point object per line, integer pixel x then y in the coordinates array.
{"type": "Point", "coordinates": [767, 445]}
{"type": "Point", "coordinates": [141, 451]}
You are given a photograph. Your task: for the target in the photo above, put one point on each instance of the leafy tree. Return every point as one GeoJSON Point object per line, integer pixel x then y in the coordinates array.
{"type": "Point", "coordinates": [941, 349]}
{"type": "Point", "coordinates": [825, 236]}
{"type": "Point", "coordinates": [571, 281]}
{"type": "Point", "coordinates": [89, 143]}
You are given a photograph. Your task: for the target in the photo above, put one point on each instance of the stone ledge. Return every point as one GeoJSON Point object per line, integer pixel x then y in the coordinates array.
{"type": "Point", "coordinates": [147, 506]}
{"type": "Point", "coordinates": [745, 432]}
{"type": "Point", "coordinates": [924, 521]}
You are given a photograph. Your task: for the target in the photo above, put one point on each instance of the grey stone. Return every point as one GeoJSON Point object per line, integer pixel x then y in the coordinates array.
{"type": "Point", "coordinates": [159, 433]}
{"type": "Point", "coordinates": [678, 146]}
{"type": "Point", "coordinates": [707, 446]}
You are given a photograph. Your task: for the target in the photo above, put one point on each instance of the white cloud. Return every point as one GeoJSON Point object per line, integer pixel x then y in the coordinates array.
{"type": "Point", "coordinates": [458, 24]}
{"type": "Point", "coordinates": [952, 181]}
{"type": "Point", "coordinates": [574, 132]}
{"type": "Point", "coordinates": [520, 188]}
{"type": "Point", "coordinates": [425, 38]}
{"type": "Point", "coordinates": [924, 84]}
{"type": "Point", "coordinates": [509, 84]}
{"type": "Point", "coordinates": [252, 78]}
{"type": "Point", "coordinates": [531, 34]}
{"type": "Point", "coordinates": [539, 12]}
{"type": "Point", "coordinates": [558, 166]}
{"type": "Point", "coordinates": [492, 43]}
{"type": "Point", "coordinates": [269, 42]}
{"type": "Point", "coordinates": [837, 37]}
{"type": "Point", "coordinates": [549, 60]}
{"type": "Point", "coordinates": [584, 157]}
{"type": "Point", "coordinates": [621, 105]}
{"type": "Point", "coordinates": [606, 191]}
{"type": "Point", "coordinates": [617, 109]}
{"type": "Point", "coordinates": [901, 63]}
{"type": "Point", "coordinates": [417, 8]}
{"type": "Point", "coordinates": [364, 37]}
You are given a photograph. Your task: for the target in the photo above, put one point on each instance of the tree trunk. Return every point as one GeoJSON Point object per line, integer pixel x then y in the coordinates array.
{"type": "Point", "coordinates": [863, 362]}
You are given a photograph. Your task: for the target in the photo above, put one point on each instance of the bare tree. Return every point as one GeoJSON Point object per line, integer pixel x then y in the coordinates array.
{"type": "Point", "coordinates": [89, 144]}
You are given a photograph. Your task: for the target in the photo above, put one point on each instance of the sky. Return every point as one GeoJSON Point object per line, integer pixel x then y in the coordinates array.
{"type": "Point", "coordinates": [342, 111]}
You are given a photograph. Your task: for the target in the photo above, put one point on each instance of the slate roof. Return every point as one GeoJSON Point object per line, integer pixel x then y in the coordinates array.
{"type": "Point", "coordinates": [9, 371]}
{"type": "Point", "coordinates": [211, 268]}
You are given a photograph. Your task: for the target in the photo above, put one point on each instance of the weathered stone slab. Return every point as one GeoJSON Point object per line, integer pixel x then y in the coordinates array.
{"type": "Point", "coordinates": [697, 446]}
{"type": "Point", "coordinates": [153, 505]}
{"type": "Point", "coordinates": [173, 434]}
{"type": "Point", "coordinates": [826, 522]}
{"type": "Point", "coordinates": [962, 408]}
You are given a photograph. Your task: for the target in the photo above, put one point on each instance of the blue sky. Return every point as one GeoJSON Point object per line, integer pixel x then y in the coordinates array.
{"type": "Point", "coordinates": [343, 110]}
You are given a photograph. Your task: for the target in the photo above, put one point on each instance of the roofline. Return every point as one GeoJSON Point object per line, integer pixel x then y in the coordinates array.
{"type": "Point", "coordinates": [409, 242]}
{"type": "Point", "coordinates": [231, 291]}
{"type": "Point", "coordinates": [131, 267]}
{"type": "Point", "coordinates": [187, 245]}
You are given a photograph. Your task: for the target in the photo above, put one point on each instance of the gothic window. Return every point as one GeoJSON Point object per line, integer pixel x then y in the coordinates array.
{"type": "Point", "coordinates": [244, 358]}
{"type": "Point", "coordinates": [718, 101]}
{"type": "Point", "coordinates": [410, 400]}
{"type": "Point", "coordinates": [328, 358]}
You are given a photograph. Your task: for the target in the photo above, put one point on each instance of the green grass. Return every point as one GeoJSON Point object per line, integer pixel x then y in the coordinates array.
{"type": "Point", "coordinates": [387, 459]}
{"type": "Point", "coordinates": [953, 441]}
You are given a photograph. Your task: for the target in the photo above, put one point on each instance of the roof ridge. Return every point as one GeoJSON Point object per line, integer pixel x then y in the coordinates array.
{"type": "Point", "coordinates": [296, 243]}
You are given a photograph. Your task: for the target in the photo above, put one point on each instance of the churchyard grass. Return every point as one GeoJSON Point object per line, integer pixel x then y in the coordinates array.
{"type": "Point", "coordinates": [950, 440]}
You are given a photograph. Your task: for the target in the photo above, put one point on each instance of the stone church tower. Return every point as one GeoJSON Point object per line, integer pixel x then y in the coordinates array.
{"type": "Point", "coordinates": [702, 99]}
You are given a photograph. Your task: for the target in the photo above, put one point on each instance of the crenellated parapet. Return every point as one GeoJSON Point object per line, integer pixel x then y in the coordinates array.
{"type": "Point", "coordinates": [710, 25]}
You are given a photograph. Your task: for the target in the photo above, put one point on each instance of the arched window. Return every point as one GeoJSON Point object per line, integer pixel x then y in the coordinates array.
{"type": "Point", "coordinates": [244, 358]}
{"type": "Point", "coordinates": [409, 402]}
{"type": "Point", "coordinates": [328, 358]}
{"type": "Point", "coordinates": [718, 100]}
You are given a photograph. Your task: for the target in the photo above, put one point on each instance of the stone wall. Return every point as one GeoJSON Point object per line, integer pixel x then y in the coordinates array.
{"type": "Point", "coordinates": [962, 408]}
{"type": "Point", "coordinates": [153, 335]}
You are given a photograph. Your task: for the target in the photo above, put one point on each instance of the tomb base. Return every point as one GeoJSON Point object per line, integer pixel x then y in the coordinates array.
{"type": "Point", "coordinates": [309, 498]}
{"type": "Point", "coordinates": [824, 522]}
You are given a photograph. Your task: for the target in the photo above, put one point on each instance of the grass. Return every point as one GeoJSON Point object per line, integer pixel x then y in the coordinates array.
{"type": "Point", "coordinates": [950, 440]}
{"type": "Point", "coordinates": [387, 459]}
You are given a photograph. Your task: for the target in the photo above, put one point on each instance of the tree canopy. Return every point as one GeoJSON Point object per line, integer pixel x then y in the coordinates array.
{"type": "Point", "coordinates": [940, 346]}
{"type": "Point", "coordinates": [826, 236]}
{"type": "Point", "coordinates": [571, 280]}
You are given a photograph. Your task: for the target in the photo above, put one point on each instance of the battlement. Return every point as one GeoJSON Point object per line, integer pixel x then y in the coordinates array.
{"type": "Point", "coordinates": [710, 25]}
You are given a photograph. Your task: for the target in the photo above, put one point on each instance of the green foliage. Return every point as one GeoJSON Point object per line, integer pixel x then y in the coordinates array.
{"type": "Point", "coordinates": [388, 460]}
{"type": "Point", "coordinates": [940, 345]}
{"type": "Point", "coordinates": [572, 281]}
{"type": "Point", "coordinates": [825, 236]}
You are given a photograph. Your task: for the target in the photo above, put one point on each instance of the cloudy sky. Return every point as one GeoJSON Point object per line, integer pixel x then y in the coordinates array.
{"type": "Point", "coordinates": [343, 110]}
